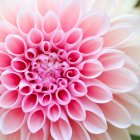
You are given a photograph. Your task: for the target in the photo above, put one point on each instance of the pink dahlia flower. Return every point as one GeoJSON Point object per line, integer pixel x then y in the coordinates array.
{"type": "Point", "coordinates": [67, 70]}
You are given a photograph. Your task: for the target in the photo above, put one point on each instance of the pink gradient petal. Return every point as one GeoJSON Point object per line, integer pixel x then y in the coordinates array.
{"type": "Point", "coordinates": [62, 82]}
{"type": "Point", "coordinates": [35, 37]}
{"type": "Point", "coordinates": [31, 54]}
{"type": "Point", "coordinates": [118, 35]}
{"type": "Point", "coordinates": [25, 21]}
{"type": "Point", "coordinates": [36, 120]}
{"type": "Point", "coordinates": [4, 31]}
{"type": "Point", "coordinates": [2, 89]}
{"type": "Point", "coordinates": [79, 131]}
{"type": "Point", "coordinates": [50, 24]}
{"type": "Point", "coordinates": [25, 88]}
{"type": "Point", "coordinates": [99, 92]}
{"type": "Point", "coordinates": [90, 68]}
{"type": "Point", "coordinates": [5, 60]}
{"type": "Point", "coordinates": [120, 80]}
{"type": "Point", "coordinates": [93, 28]}
{"type": "Point", "coordinates": [74, 57]}
{"type": "Point", "coordinates": [91, 45]}
{"type": "Point", "coordinates": [53, 111]}
{"type": "Point", "coordinates": [77, 88]}
{"type": "Point", "coordinates": [112, 59]}
{"type": "Point", "coordinates": [118, 134]}
{"type": "Point", "coordinates": [103, 136]}
{"type": "Point", "coordinates": [76, 110]}
{"type": "Point", "coordinates": [63, 96]}
{"type": "Point", "coordinates": [29, 103]}
{"type": "Point", "coordinates": [94, 124]}
{"type": "Point", "coordinates": [10, 99]}
{"type": "Point", "coordinates": [45, 47]}
{"type": "Point", "coordinates": [19, 64]}
{"type": "Point", "coordinates": [68, 20]}
{"type": "Point", "coordinates": [15, 45]}
{"type": "Point", "coordinates": [45, 99]}
{"type": "Point", "coordinates": [31, 75]}
{"type": "Point", "coordinates": [132, 105]}
{"type": "Point", "coordinates": [44, 6]}
{"type": "Point", "coordinates": [72, 73]}
{"type": "Point", "coordinates": [8, 118]}
{"type": "Point", "coordinates": [10, 79]}
{"type": "Point", "coordinates": [119, 118]}
{"type": "Point", "coordinates": [58, 39]}
{"type": "Point", "coordinates": [73, 38]}
{"type": "Point", "coordinates": [61, 129]}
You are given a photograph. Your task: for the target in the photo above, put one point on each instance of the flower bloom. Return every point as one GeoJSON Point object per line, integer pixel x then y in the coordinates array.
{"type": "Point", "coordinates": [67, 71]}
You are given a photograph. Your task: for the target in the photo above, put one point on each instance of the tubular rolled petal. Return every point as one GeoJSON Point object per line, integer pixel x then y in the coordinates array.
{"type": "Point", "coordinates": [29, 103]}
{"type": "Point", "coordinates": [45, 47]}
{"type": "Point", "coordinates": [72, 73]}
{"type": "Point", "coordinates": [90, 68]}
{"type": "Point", "coordinates": [36, 120]}
{"type": "Point", "coordinates": [53, 112]}
{"type": "Point", "coordinates": [63, 96]}
{"type": "Point", "coordinates": [73, 38]}
{"type": "Point", "coordinates": [74, 57]}
{"type": "Point", "coordinates": [76, 110]}
{"type": "Point", "coordinates": [62, 82]}
{"type": "Point", "coordinates": [58, 39]}
{"type": "Point", "coordinates": [31, 54]}
{"type": "Point", "coordinates": [77, 88]}
{"type": "Point", "coordinates": [10, 79]}
{"type": "Point", "coordinates": [31, 75]}
{"type": "Point", "coordinates": [25, 88]}
{"type": "Point", "coordinates": [8, 118]}
{"type": "Point", "coordinates": [19, 64]}
{"type": "Point", "coordinates": [91, 45]}
{"type": "Point", "coordinates": [45, 99]}
{"type": "Point", "coordinates": [15, 45]}
{"type": "Point", "coordinates": [68, 20]}
{"type": "Point", "coordinates": [93, 28]}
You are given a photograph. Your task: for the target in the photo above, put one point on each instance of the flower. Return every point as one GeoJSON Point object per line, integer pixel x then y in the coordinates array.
{"type": "Point", "coordinates": [68, 70]}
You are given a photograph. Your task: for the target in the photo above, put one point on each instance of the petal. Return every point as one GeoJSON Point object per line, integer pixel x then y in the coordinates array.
{"type": "Point", "coordinates": [79, 131]}
{"type": "Point", "coordinates": [75, 110]}
{"type": "Point", "coordinates": [103, 136]}
{"type": "Point", "coordinates": [119, 118]}
{"type": "Point", "coordinates": [45, 99]}
{"type": "Point", "coordinates": [15, 45]}
{"type": "Point", "coordinates": [132, 105]}
{"type": "Point", "coordinates": [29, 102]}
{"type": "Point", "coordinates": [10, 79]}
{"type": "Point", "coordinates": [77, 88]}
{"type": "Point", "coordinates": [112, 59]}
{"type": "Point", "coordinates": [44, 6]}
{"type": "Point", "coordinates": [45, 47]}
{"type": "Point", "coordinates": [9, 99]}
{"type": "Point", "coordinates": [5, 60]}
{"type": "Point", "coordinates": [93, 28]}
{"type": "Point", "coordinates": [118, 35]}
{"type": "Point", "coordinates": [90, 68]}
{"type": "Point", "coordinates": [118, 134]}
{"type": "Point", "coordinates": [53, 112]}
{"type": "Point", "coordinates": [91, 45]}
{"type": "Point", "coordinates": [104, 6]}
{"type": "Point", "coordinates": [9, 125]}
{"type": "Point", "coordinates": [19, 64]}
{"type": "Point", "coordinates": [36, 120]}
{"type": "Point", "coordinates": [61, 130]}
{"type": "Point", "coordinates": [68, 20]}
{"type": "Point", "coordinates": [31, 54]}
{"type": "Point", "coordinates": [99, 92]}
{"type": "Point", "coordinates": [121, 80]}
{"type": "Point", "coordinates": [63, 96]}
{"type": "Point", "coordinates": [29, 21]}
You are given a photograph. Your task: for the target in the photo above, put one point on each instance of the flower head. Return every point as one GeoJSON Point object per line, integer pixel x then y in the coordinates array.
{"type": "Point", "coordinates": [66, 71]}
